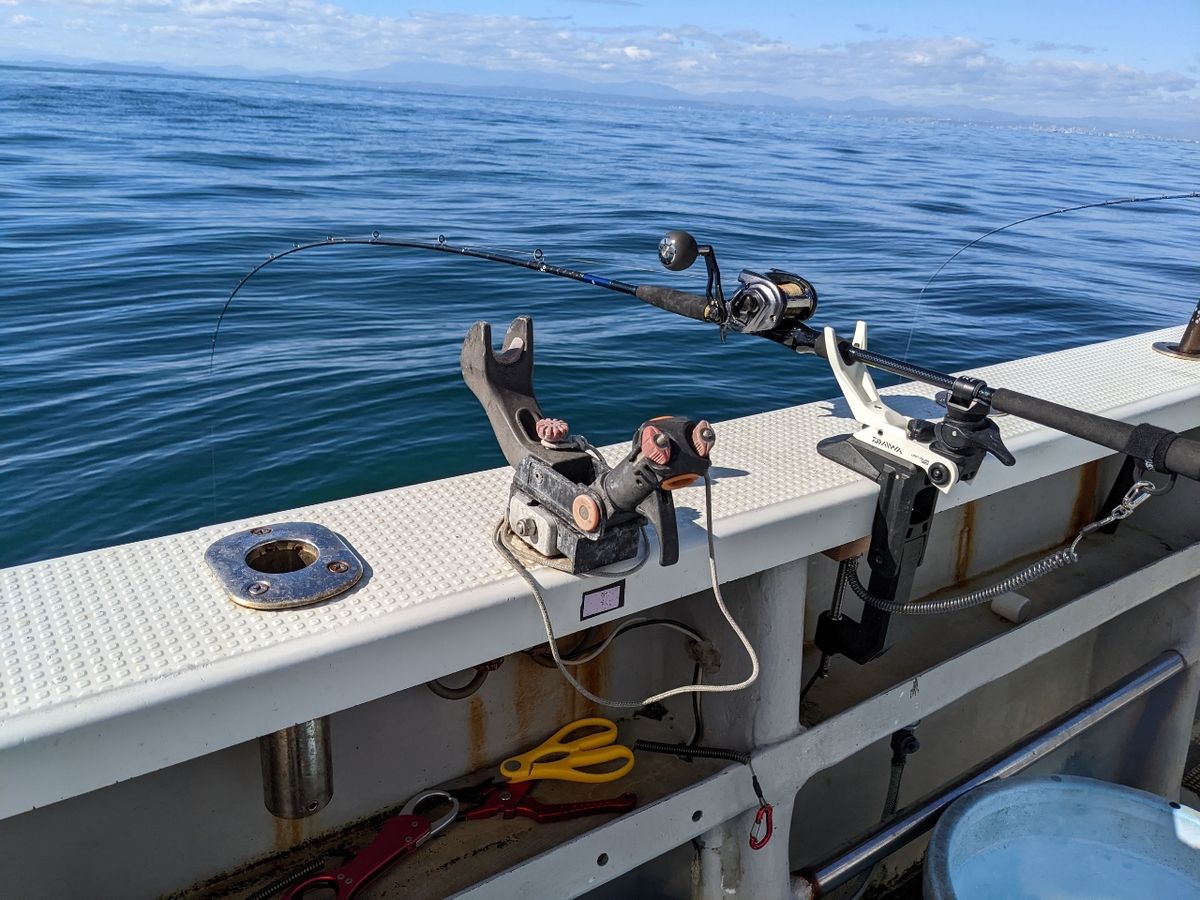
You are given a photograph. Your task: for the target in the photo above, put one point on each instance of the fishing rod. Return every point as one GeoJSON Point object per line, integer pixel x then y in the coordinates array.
{"type": "Point", "coordinates": [776, 305]}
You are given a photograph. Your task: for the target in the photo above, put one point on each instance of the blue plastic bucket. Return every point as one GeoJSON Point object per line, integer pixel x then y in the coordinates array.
{"type": "Point", "coordinates": [1063, 837]}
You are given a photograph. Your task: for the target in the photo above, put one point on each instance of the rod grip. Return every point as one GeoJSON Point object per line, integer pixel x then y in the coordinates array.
{"type": "Point", "coordinates": [681, 303]}
{"type": "Point", "coordinates": [1182, 455]}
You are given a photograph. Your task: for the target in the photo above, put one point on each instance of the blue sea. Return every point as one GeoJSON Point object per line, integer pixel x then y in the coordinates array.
{"type": "Point", "coordinates": [130, 205]}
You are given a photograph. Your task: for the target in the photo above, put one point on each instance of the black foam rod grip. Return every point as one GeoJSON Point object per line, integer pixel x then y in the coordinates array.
{"type": "Point", "coordinates": [1182, 458]}
{"type": "Point", "coordinates": [679, 302]}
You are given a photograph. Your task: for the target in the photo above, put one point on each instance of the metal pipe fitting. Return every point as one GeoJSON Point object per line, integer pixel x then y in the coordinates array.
{"type": "Point", "coordinates": [297, 769]}
{"type": "Point", "coordinates": [1189, 345]}
{"type": "Point", "coordinates": [920, 817]}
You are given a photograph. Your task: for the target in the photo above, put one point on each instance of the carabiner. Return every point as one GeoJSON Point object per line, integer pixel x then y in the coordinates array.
{"type": "Point", "coordinates": [1134, 497]}
{"type": "Point", "coordinates": [763, 828]}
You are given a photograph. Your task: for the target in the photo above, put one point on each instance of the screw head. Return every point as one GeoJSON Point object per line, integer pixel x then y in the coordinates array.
{"type": "Point", "coordinates": [258, 587]}
{"type": "Point", "coordinates": [939, 474]}
{"type": "Point", "coordinates": [261, 529]}
{"type": "Point", "coordinates": [338, 566]}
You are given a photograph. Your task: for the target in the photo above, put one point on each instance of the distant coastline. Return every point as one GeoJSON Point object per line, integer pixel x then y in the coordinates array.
{"type": "Point", "coordinates": [467, 81]}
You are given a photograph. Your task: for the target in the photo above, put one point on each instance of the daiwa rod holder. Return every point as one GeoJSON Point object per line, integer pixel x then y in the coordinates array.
{"type": "Point", "coordinates": [912, 460]}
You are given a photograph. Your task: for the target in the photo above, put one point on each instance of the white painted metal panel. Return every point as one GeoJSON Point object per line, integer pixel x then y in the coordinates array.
{"type": "Point", "coordinates": [122, 661]}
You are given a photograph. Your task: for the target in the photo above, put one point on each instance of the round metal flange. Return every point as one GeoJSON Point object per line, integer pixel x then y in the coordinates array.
{"type": "Point", "coordinates": [284, 565]}
{"type": "Point", "coordinates": [1170, 348]}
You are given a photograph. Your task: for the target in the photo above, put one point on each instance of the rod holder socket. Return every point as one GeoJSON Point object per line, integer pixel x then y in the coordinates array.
{"type": "Point", "coordinates": [1189, 345]}
{"type": "Point", "coordinates": [297, 769]}
{"type": "Point", "coordinates": [283, 565]}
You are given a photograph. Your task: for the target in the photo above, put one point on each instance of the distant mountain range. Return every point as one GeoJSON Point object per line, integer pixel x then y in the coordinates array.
{"type": "Point", "coordinates": [446, 78]}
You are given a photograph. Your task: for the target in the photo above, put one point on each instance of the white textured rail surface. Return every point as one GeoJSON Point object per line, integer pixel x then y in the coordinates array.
{"type": "Point", "coordinates": [121, 661]}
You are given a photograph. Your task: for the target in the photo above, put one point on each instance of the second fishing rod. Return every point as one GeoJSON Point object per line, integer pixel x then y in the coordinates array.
{"type": "Point", "coordinates": [777, 306]}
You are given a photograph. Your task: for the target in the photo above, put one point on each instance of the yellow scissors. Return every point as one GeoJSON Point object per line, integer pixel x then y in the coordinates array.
{"type": "Point", "coordinates": [560, 759]}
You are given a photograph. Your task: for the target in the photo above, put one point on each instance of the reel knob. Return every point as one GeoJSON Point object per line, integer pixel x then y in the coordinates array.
{"type": "Point", "coordinates": [677, 250]}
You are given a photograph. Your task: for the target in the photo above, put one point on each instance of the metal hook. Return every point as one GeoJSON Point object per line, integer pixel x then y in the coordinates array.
{"type": "Point", "coordinates": [764, 827]}
{"type": "Point", "coordinates": [1140, 472]}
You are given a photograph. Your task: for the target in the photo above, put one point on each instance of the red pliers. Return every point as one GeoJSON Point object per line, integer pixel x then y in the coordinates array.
{"type": "Point", "coordinates": [400, 835]}
{"type": "Point", "coordinates": [511, 800]}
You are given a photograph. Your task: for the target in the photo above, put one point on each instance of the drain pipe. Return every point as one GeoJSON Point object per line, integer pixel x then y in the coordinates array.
{"type": "Point", "coordinates": [297, 769]}
{"type": "Point", "coordinates": [915, 820]}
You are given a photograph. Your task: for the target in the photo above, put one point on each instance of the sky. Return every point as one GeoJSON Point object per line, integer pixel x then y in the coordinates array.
{"type": "Point", "coordinates": [1053, 57]}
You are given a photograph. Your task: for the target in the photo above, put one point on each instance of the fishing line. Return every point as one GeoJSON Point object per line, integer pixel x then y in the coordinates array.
{"type": "Point", "coordinates": [1042, 215]}
{"type": "Point", "coordinates": [535, 262]}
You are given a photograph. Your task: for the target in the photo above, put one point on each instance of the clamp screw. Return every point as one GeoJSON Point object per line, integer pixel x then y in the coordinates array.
{"type": "Point", "coordinates": [258, 587]}
{"type": "Point", "coordinates": [526, 528]}
{"type": "Point", "coordinates": [655, 445]}
{"type": "Point", "coordinates": [551, 430]}
{"type": "Point", "coordinates": [262, 529]}
{"type": "Point", "coordinates": [338, 566]}
{"type": "Point", "coordinates": [939, 474]}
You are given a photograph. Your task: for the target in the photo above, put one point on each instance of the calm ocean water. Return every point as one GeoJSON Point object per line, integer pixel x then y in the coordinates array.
{"type": "Point", "coordinates": [130, 205]}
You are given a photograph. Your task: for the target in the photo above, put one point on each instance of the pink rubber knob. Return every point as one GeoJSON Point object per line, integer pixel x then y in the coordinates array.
{"type": "Point", "coordinates": [552, 430]}
{"type": "Point", "coordinates": [703, 438]}
{"type": "Point", "coordinates": [656, 446]}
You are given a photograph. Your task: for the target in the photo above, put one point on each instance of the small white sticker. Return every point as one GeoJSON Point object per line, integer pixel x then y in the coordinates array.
{"type": "Point", "coordinates": [602, 600]}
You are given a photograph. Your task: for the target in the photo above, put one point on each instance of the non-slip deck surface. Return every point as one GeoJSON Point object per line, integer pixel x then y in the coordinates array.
{"type": "Point", "coordinates": [95, 623]}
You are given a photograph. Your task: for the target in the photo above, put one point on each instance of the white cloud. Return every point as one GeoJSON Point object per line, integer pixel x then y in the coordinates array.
{"type": "Point", "coordinates": [20, 20]}
{"type": "Point", "coordinates": [114, 6]}
{"type": "Point", "coordinates": [309, 35]}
